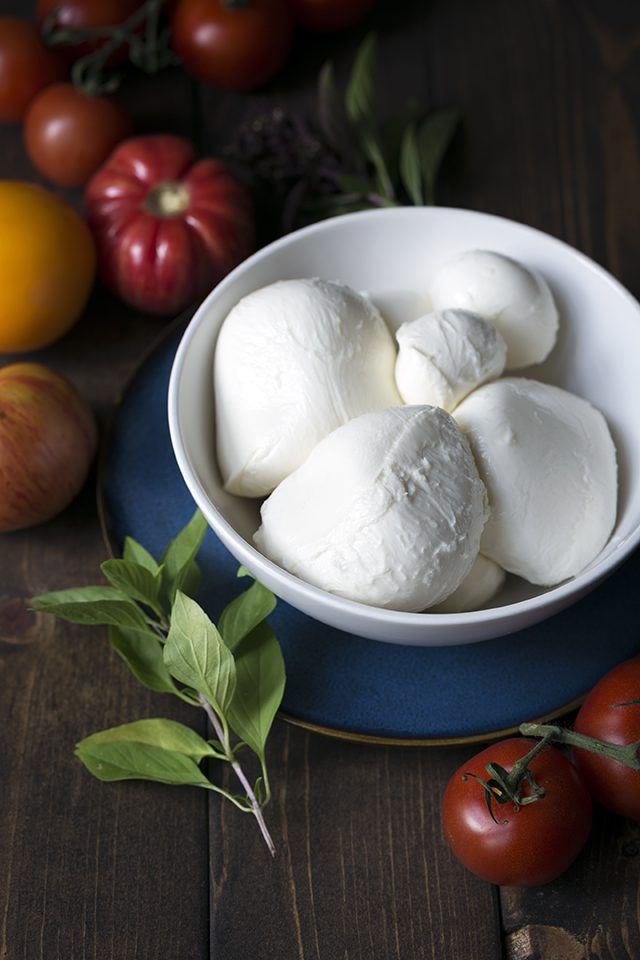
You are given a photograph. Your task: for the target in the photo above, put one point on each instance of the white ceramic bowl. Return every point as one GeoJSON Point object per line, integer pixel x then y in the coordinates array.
{"type": "Point", "coordinates": [390, 254]}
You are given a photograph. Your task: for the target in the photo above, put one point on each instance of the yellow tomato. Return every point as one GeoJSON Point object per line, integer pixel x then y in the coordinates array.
{"type": "Point", "coordinates": [47, 266]}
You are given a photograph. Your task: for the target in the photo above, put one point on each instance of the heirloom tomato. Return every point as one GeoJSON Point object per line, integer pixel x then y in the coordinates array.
{"type": "Point", "coordinates": [68, 134]}
{"type": "Point", "coordinates": [611, 713]}
{"type": "Point", "coordinates": [47, 266]}
{"type": "Point", "coordinates": [233, 43]}
{"type": "Point", "coordinates": [168, 226]}
{"type": "Point", "coordinates": [526, 844]}
{"type": "Point", "coordinates": [26, 66]}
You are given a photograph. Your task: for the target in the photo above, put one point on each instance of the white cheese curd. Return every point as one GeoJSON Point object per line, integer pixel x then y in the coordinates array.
{"type": "Point", "coordinates": [387, 510]}
{"type": "Point", "coordinates": [549, 465]}
{"type": "Point", "coordinates": [479, 586]}
{"type": "Point", "coordinates": [445, 355]}
{"type": "Point", "coordinates": [294, 361]}
{"type": "Point", "coordinates": [518, 301]}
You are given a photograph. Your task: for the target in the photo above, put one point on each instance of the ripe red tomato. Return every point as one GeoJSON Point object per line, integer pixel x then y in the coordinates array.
{"type": "Point", "coordinates": [530, 844]}
{"type": "Point", "coordinates": [87, 14]}
{"type": "Point", "coordinates": [26, 66]}
{"type": "Point", "coordinates": [68, 134]}
{"type": "Point", "coordinates": [613, 784]}
{"type": "Point", "coordinates": [329, 15]}
{"type": "Point", "coordinates": [167, 226]}
{"type": "Point", "coordinates": [233, 43]}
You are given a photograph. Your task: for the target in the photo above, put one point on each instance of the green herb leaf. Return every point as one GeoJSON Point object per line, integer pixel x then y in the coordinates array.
{"type": "Point", "coordinates": [135, 580]}
{"type": "Point", "coordinates": [260, 685]}
{"type": "Point", "coordinates": [125, 760]}
{"type": "Point", "coordinates": [196, 655]}
{"type": "Point", "coordinates": [410, 168]}
{"type": "Point", "coordinates": [180, 554]}
{"type": "Point", "coordinates": [360, 95]}
{"type": "Point", "coordinates": [156, 732]}
{"type": "Point", "coordinates": [244, 613]}
{"type": "Point", "coordinates": [143, 656]}
{"type": "Point", "coordinates": [136, 553]}
{"type": "Point", "coordinates": [434, 137]}
{"type": "Point", "coordinates": [191, 580]}
{"type": "Point", "coordinates": [94, 605]}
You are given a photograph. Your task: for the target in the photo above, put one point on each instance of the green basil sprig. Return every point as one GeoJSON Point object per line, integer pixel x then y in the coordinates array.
{"type": "Point", "coordinates": [235, 672]}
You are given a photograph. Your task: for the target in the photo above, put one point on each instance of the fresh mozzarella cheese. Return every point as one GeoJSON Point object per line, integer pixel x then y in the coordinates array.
{"type": "Point", "coordinates": [387, 510]}
{"type": "Point", "coordinates": [293, 361]}
{"type": "Point", "coordinates": [480, 585]}
{"type": "Point", "coordinates": [515, 299]}
{"type": "Point", "coordinates": [445, 355]}
{"type": "Point", "coordinates": [549, 465]}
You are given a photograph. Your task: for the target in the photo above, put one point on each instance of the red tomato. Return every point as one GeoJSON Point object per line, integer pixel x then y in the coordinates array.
{"type": "Point", "coordinates": [239, 44]}
{"type": "Point", "coordinates": [88, 14]}
{"type": "Point", "coordinates": [329, 15]}
{"type": "Point", "coordinates": [529, 844]}
{"type": "Point", "coordinates": [68, 134]}
{"type": "Point", "coordinates": [168, 226]}
{"type": "Point", "coordinates": [613, 784]}
{"type": "Point", "coordinates": [26, 66]}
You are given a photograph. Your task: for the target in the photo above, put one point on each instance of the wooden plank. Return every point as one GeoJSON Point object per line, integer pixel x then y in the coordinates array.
{"type": "Point", "coordinates": [88, 870]}
{"type": "Point", "coordinates": [362, 871]}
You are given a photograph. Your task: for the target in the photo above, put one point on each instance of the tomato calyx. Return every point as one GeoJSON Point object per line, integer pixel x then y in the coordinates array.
{"type": "Point", "coordinates": [167, 199]}
{"type": "Point", "coordinates": [143, 34]}
{"type": "Point", "coordinates": [235, 4]}
{"type": "Point", "coordinates": [506, 786]}
{"type": "Point", "coordinates": [626, 753]}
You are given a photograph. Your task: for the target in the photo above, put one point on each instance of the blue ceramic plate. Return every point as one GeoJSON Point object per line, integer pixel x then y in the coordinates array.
{"type": "Point", "coordinates": [346, 685]}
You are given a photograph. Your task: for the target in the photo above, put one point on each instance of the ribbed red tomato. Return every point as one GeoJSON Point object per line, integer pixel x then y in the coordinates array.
{"type": "Point", "coordinates": [167, 225]}
{"type": "Point", "coordinates": [609, 713]}
{"type": "Point", "coordinates": [524, 845]}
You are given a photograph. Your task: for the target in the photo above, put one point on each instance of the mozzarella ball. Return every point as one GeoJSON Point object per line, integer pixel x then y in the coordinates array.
{"type": "Point", "coordinates": [445, 355]}
{"type": "Point", "coordinates": [549, 465]}
{"type": "Point", "coordinates": [387, 510]}
{"type": "Point", "coordinates": [479, 586]}
{"type": "Point", "coordinates": [516, 300]}
{"type": "Point", "coordinates": [294, 361]}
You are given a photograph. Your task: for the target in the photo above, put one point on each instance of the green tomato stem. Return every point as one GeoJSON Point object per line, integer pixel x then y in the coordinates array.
{"type": "Point", "coordinates": [623, 753]}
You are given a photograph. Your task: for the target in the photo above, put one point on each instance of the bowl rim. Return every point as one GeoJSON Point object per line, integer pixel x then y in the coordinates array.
{"type": "Point", "coordinates": [352, 608]}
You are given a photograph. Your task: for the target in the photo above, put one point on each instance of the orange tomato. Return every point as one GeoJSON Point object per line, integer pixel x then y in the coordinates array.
{"type": "Point", "coordinates": [47, 266]}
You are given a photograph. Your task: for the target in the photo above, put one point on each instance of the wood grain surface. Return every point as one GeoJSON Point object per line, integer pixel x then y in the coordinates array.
{"type": "Point", "coordinates": [550, 93]}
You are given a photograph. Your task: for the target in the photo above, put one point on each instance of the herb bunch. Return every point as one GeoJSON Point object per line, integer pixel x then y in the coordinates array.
{"type": "Point", "coordinates": [234, 672]}
{"type": "Point", "coordinates": [345, 158]}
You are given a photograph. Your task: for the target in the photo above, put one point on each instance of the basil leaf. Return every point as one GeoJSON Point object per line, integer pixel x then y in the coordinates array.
{"type": "Point", "coordinates": [260, 684]}
{"type": "Point", "coordinates": [180, 554]}
{"type": "Point", "coordinates": [434, 137]}
{"type": "Point", "coordinates": [143, 656]}
{"type": "Point", "coordinates": [136, 553]}
{"type": "Point", "coordinates": [156, 732]}
{"type": "Point", "coordinates": [244, 613]}
{"type": "Point", "coordinates": [360, 95]}
{"type": "Point", "coordinates": [410, 170]}
{"type": "Point", "coordinates": [135, 580]}
{"type": "Point", "coordinates": [108, 760]}
{"type": "Point", "coordinates": [191, 580]}
{"type": "Point", "coordinates": [333, 123]}
{"type": "Point", "coordinates": [196, 655]}
{"type": "Point", "coordinates": [94, 605]}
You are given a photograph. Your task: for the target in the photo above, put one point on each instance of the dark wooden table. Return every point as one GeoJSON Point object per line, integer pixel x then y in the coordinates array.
{"type": "Point", "coordinates": [550, 91]}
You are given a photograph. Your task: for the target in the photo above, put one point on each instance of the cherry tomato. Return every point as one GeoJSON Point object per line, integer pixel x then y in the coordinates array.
{"type": "Point", "coordinates": [87, 14]}
{"type": "Point", "coordinates": [26, 66]}
{"type": "Point", "coordinates": [47, 266]}
{"type": "Point", "coordinates": [529, 844]}
{"type": "Point", "coordinates": [168, 226]}
{"type": "Point", "coordinates": [613, 784]}
{"type": "Point", "coordinates": [329, 15]}
{"type": "Point", "coordinates": [68, 134]}
{"type": "Point", "coordinates": [233, 43]}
